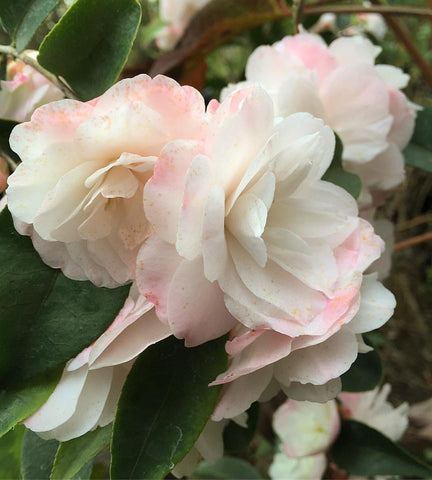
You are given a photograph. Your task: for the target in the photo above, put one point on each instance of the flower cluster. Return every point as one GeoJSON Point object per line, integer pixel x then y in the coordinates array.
{"type": "Point", "coordinates": [222, 220]}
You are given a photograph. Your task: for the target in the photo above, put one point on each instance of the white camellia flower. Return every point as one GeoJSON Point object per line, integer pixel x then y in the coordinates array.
{"type": "Point", "coordinates": [89, 389]}
{"type": "Point", "coordinates": [78, 191]}
{"type": "Point", "coordinates": [339, 83]}
{"type": "Point", "coordinates": [24, 90]}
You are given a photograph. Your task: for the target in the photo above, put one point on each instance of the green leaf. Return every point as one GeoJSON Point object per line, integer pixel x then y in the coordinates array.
{"type": "Point", "coordinates": [214, 24]}
{"type": "Point", "coordinates": [18, 402]}
{"type": "Point", "coordinates": [37, 456]}
{"type": "Point", "coordinates": [337, 175]}
{"type": "Point", "coordinates": [90, 44]}
{"type": "Point", "coordinates": [74, 454]}
{"type": "Point", "coordinates": [164, 406]}
{"type": "Point", "coordinates": [10, 453]}
{"type": "Point", "coordinates": [226, 467]}
{"type": "Point", "coordinates": [361, 450]}
{"type": "Point", "coordinates": [365, 373]}
{"type": "Point", "coordinates": [36, 12]}
{"type": "Point", "coordinates": [419, 152]}
{"type": "Point", "coordinates": [45, 318]}
{"type": "Point", "coordinates": [6, 127]}
{"type": "Point", "coordinates": [11, 14]}
{"type": "Point", "coordinates": [236, 438]}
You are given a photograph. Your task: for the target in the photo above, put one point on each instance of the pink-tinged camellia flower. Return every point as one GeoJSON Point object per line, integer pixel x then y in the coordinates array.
{"type": "Point", "coordinates": [89, 389]}
{"type": "Point", "coordinates": [360, 101]}
{"type": "Point", "coordinates": [177, 15]}
{"type": "Point", "coordinates": [248, 238]}
{"type": "Point", "coordinates": [24, 90]}
{"type": "Point", "coordinates": [78, 191]}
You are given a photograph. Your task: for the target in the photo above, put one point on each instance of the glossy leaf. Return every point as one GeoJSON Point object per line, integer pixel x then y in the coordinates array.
{"type": "Point", "coordinates": [18, 402]}
{"type": "Point", "coordinates": [45, 318]}
{"type": "Point", "coordinates": [11, 13]}
{"type": "Point", "coordinates": [361, 450]}
{"type": "Point", "coordinates": [337, 175]}
{"type": "Point", "coordinates": [365, 373]}
{"type": "Point", "coordinates": [419, 152]}
{"type": "Point", "coordinates": [73, 455]}
{"type": "Point", "coordinates": [226, 467]}
{"type": "Point", "coordinates": [90, 44]}
{"type": "Point", "coordinates": [10, 453]}
{"type": "Point", "coordinates": [6, 127]}
{"type": "Point", "coordinates": [214, 24]}
{"type": "Point", "coordinates": [37, 456]}
{"type": "Point", "coordinates": [164, 406]}
{"type": "Point", "coordinates": [36, 12]}
{"type": "Point", "coordinates": [236, 438]}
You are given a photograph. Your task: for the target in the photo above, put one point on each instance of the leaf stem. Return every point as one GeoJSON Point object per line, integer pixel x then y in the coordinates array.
{"type": "Point", "coordinates": [58, 82]}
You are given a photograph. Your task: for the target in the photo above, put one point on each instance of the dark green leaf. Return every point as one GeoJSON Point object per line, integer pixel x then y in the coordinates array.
{"type": "Point", "coordinates": [419, 152]}
{"type": "Point", "coordinates": [37, 456]}
{"type": "Point", "coordinates": [73, 455]}
{"type": "Point", "coordinates": [237, 438]}
{"type": "Point", "coordinates": [164, 406]}
{"type": "Point", "coordinates": [6, 127]}
{"type": "Point", "coordinates": [361, 450]}
{"type": "Point", "coordinates": [365, 373]}
{"type": "Point", "coordinates": [337, 175]}
{"type": "Point", "coordinates": [11, 13]}
{"type": "Point", "coordinates": [45, 318]}
{"type": "Point", "coordinates": [36, 12]}
{"type": "Point", "coordinates": [214, 24]}
{"type": "Point", "coordinates": [90, 44]}
{"type": "Point", "coordinates": [10, 453]}
{"type": "Point", "coordinates": [18, 402]}
{"type": "Point", "coordinates": [226, 467]}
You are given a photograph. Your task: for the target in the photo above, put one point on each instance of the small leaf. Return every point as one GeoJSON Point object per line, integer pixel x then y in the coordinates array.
{"type": "Point", "coordinates": [91, 62]}
{"type": "Point", "coordinates": [74, 454]}
{"type": "Point", "coordinates": [37, 456]}
{"type": "Point", "coordinates": [45, 318]}
{"type": "Point", "coordinates": [365, 373]}
{"type": "Point", "coordinates": [164, 406]}
{"type": "Point", "coordinates": [214, 24]}
{"type": "Point", "coordinates": [337, 175]}
{"type": "Point", "coordinates": [6, 127]}
{"type": "Point", "coordinates": [36, 12]}
{"type": "Point", "coordinates": [419, 151]}
{"type": "Point", "coordinates": [18, 402]}
{"type": "Point", "coordinates": [236, 438]}
{"type": "Point", "coordinates": [10, 453]}
{"type": "Point", "coordinates": [361, 450]}
{"type": "Point", "coordinates": [226, 467]}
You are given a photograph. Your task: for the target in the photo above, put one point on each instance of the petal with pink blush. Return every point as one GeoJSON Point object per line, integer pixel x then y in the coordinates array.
{"type": "Point", "coordinates": [349, 50]}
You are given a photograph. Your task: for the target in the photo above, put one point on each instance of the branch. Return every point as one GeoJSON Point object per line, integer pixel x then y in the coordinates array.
{"type": "Point", "coordinates": [61, 85]}
{"type": "Point", "coordinates": [297, 13]}
{"type": "Point", "coordinates": [410, 242]}
{"type": "Point", "coordinates": [382, 9]}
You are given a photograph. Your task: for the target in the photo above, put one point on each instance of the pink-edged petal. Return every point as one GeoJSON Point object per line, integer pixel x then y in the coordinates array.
{"type": "Point", "coordinates": [376, 306]}
{"type": "Point", "coordinates": [404, 114]}
{"type": "Point", "coordinates": [61, 404]}
{"type": "Point", "coordinates": [196, 309]}
{"type": "Point", "coordinates": [239, 395]}
{"type": "Point", "coordinates": [163, 193]}
{"type": "Point", "coordinates": [320, 363]}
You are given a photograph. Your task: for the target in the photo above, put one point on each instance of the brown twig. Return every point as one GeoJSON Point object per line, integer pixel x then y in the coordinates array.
{"type": "Point", "coordinates": [297, 13]}
{"type": "Point", "coordinates": [382, 9]}
{"type": "Point", "coordinates": [410, 242]}
{"type": "Point", "coordinates": [414, 222]}
{"type": "Point", "coordinates": [405, 38]}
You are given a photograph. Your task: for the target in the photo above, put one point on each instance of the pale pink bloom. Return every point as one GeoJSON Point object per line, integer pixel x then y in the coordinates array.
{"type": "Point", "coordinates": [24, 90]}
{"type": "Point", "coordinates": [78, 191]}
{"type": "Point", "coordinates": [177, 14]}
{"type": "Point", "coordinates": [89, 389]}
{"type": "Point", "coordinates": [360, 101]}
{"type": "Point", "coordinates": [4, 173]}
{"type": "Point", "coordinates": [311, 467]}
{"type": "Point", "coordinates": [373, 409]}
{"type": "Point", "coordinates": [248, 238]}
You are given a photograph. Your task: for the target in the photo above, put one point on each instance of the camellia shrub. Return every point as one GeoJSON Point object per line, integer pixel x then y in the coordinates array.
{"type": "Point", "coordinates": [183, 249]}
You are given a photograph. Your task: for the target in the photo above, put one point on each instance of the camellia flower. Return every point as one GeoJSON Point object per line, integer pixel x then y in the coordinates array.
{"type": "Point", "coordinates": [24, 90]}
{"type": "Point", "coordinates": [89, 389]}
{"type": "Point", "coordinates": [177, 15]}
{"type": "Point", "coordinates": [78, 191]}
{"type": "Point", "coordinates": [248, 238]}
{"type": "Point", "coordinates": [360, 101]}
